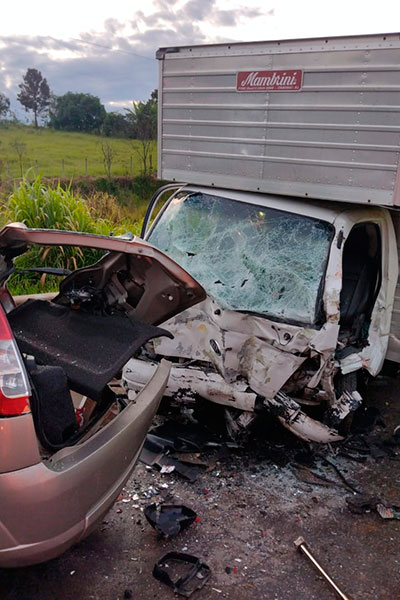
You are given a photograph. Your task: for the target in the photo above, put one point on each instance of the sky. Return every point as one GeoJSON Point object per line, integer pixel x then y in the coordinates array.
{"type": "Point", "coordinates": [108, 48]}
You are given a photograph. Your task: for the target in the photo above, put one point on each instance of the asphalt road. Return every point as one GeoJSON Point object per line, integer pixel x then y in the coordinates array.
{"type": "Point", "coordinates": [251, 507]}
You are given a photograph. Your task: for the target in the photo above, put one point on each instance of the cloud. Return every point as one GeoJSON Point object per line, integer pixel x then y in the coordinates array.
{"type": "Point", "coordinates": [198, 9]}
{"type": "Point", "coordinates": [91, 69]}
{"type": "Point", "coordinates": [117, 62]}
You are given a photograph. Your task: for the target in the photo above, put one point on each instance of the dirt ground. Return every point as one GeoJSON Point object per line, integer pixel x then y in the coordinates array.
{"type": "Point", "coordinates": [251, 507]}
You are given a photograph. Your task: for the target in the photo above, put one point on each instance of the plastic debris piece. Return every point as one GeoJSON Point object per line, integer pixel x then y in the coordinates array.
{"type": "Point", "coordinates": [388, 512]}
{"type": "Point", "coordinates": [169, 519]}
{"type": "Point", "coordinates": [167, 468]}
{"type": "Point", "coordinates": [184, 438]}
{"type": "Point", "coordinates": [153, 455]}
{"type": "Point", "coordinates": [362, 504]}
{"type": "Point", "coordinates": [194, 458]}
{"type": "Point", "coordinates": [193, 574]}
{"type": "Point", "coordinates": [189, 473]}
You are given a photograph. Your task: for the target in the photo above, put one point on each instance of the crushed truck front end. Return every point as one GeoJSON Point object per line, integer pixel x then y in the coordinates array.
{"type": "Point", "coordinates": [271, 335]}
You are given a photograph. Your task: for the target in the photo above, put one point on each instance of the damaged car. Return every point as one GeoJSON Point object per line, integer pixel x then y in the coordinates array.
{"type": "Point", "coordinates": [70, 434]}
{"type": "Point", "coordinates": [299, 301]}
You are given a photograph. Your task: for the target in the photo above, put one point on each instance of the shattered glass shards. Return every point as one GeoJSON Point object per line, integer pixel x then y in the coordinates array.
{"type": "Point", "coordinates": [247, 257]}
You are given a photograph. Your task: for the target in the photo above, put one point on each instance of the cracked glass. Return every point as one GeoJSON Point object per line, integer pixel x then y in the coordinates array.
{"type": "Point", "coordinates": [247, 257]}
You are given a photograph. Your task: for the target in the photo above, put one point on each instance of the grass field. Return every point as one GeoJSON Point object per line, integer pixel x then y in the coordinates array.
{"type": "Point", "coordinates": [60, 153]}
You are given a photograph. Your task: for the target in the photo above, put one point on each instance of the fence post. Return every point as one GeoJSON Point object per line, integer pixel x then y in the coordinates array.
{"type": "Point", "coordinates": [62, 167]}
{"type": "Point", "coordinates": [86, 164]}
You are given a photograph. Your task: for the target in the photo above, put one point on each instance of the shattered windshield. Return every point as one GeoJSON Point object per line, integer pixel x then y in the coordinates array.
{"type": "Point", "coordinates": [248, 257]}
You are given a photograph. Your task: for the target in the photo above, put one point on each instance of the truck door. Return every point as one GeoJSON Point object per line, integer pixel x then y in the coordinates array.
{"type": "Point", "coordinates": [362, 277]}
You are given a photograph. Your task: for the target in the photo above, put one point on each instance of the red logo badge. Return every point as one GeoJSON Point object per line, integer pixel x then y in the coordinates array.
{"type": "Point", "coordinates": [269, 81]}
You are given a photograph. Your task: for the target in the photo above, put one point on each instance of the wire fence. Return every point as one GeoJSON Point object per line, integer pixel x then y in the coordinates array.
{"type": "Point", "coordinates": [83, 167]}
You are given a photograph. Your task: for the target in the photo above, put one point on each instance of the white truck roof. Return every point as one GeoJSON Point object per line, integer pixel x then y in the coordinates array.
{"type": "Point", "coordinates": [316, 118]}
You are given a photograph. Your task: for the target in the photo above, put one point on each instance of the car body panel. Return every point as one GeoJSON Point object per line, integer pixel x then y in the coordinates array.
{"type": "Point", "coordinates": [18, 443]}
{"type": "Point", "coordinates": [51, 505]}
{"type": "Point", "coordinates": [52, 497]}
{"type": "Point", "coordinates": [167, 287]}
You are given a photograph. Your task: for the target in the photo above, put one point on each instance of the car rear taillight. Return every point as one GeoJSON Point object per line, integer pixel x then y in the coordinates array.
{"type": "Point", "coordinates": [14, 387]}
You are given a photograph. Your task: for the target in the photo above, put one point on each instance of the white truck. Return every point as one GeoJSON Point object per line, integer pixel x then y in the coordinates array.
{"type": "Point", "coordinates": [287, 211]}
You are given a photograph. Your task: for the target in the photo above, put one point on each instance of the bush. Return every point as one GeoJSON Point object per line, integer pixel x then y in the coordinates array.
{"type": "Point", "coordinates": [107, 185]}
{"type": "Point", "coordinates": [44, 207]}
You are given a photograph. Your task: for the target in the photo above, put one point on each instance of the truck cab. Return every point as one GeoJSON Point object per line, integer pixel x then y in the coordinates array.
{"type": "Point", "coordinates": [300, 298]}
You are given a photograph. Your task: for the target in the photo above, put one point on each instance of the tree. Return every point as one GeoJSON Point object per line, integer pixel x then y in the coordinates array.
{"type": "Point", "coordinates": [35, 93]}
{"type": "Point", "coordinates": [143, 117]}
{"type": "Point", "coordinates": [108, 155]}
{"type": "Point", "coordinates": [77, 112]}
{"type": "Point", "coordinates": [4, 105]}
{"type": "Point", "coordinates": [20, 149]}
{"type": "Point", "coordinates": [116, 125]}
{"type": "Point", "coordinates": [154, 96]}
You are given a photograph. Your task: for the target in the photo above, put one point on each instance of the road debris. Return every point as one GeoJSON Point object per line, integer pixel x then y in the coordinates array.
{"type": "Point", "coordinates": [169, 519]}
{"type": "Point", "coordinates": [158, 456]}
{"type": "Point", "coordinates": [388, 512]}
{"type": "Point", "coordinates": [175, 446]}
{"type": "Point", "coordinates": [365, 504]}
{"type": "Point", "coordinates": [359, 505]}
{"type": "Point", "coordinates": [188, 437]}
{"type": "Point", "coordinates": [181, 572]}
{"type": "Point", "coordinates": [302, 547]}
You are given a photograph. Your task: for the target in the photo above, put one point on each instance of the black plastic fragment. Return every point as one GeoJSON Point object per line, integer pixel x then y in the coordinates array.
{"type": "Point", "coordinates": [169, 519]}
{"type": "Point", "coordinates": [196, 576]}
{"type": "Point", "coordinates": [156, 455]}
{"type": "Point", "coordinates": [362, 504]}
{"type": "Point", "coordinates": [184, 438]}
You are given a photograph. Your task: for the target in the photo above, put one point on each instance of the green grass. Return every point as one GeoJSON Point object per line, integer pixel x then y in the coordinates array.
{"type": "Point", "coordinates": [47, 148]}
{"type": "Point", "coordinates": [39, 205]}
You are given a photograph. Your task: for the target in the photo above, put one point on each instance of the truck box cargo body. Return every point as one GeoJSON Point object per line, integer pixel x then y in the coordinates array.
{"type": "Point", "coordinates": [289, 217]}
{"type": "Point", "coordinates": [308, 118]}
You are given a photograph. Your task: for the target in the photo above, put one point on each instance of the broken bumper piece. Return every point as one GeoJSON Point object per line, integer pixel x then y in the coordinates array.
{"type": "Point", "coordinates": [196, 575]}
{"type": "Point", "coordinates": [293, 418]}
{"type": "Point", "coordinates": [169, 519]}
